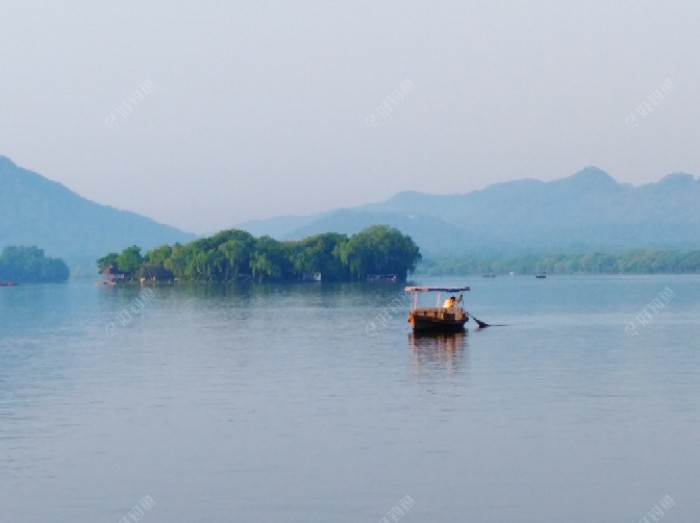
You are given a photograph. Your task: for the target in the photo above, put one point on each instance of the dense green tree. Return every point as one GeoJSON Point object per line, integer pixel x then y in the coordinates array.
{"type": "Point", "coordinates": [30, 265]}
{"type": "Point", "coordinates": [233, 253]}
{"type": "Point", "coordinates": [380, 249]}
{"type": "Point", "coordinates": [177, 261]}
{"type": "Point", "coordinates": [270, 261]}
{"type": "Point", "coordinates": [150, 271]}
{"type": "Point", "coordinates": [159, 255]}
{"type": "Point", "coordinates": [321, 253]}
{"type": "Point", "coordinates": [107, 260]}
{"type": "Point", "coordinates": [236, 249]}
{"type": "Point", "coordinates": [639, 262]}
{"type": "Point", "coordinates": [129, 259]}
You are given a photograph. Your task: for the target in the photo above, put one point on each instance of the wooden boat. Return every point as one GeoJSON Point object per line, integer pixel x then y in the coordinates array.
{"type": "Point", "coordinates": [439, 318]}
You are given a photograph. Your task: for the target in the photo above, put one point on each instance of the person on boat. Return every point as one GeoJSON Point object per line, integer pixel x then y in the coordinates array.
{"type": "Point", "coordinates": [449, 302]}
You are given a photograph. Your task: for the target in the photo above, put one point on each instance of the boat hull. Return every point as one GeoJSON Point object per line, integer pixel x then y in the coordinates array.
{"type": "Point", "coordinates": [438, 319]}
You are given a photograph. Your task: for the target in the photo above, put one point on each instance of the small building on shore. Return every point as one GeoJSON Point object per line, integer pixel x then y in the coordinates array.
{"type": "Point", "coordinates": [111, 275]}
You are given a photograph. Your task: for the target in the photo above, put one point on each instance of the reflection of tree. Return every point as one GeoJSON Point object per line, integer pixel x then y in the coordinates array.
{"type": "Point", "coordinates": [431, 353]}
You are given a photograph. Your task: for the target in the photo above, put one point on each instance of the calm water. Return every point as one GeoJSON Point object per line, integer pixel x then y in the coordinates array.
{"type": "Point", "coordinates": [273, 404]}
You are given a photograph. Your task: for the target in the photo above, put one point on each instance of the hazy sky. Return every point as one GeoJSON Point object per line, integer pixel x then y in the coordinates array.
{"type": "Point", "coordinates": [255, 109]}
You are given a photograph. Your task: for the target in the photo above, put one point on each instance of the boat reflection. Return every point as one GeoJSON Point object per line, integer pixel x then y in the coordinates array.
{"type": "Point", "coordinates": [432, 353]}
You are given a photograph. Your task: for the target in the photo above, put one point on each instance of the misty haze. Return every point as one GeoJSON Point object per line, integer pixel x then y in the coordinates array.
{"type": "Point", "coordinates": [365, 262]}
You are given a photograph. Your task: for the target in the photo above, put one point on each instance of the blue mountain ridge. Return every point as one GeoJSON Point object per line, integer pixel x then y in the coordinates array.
{"type": "Point", "coordinates": [41, 212]}
{"type": "Point", "coordinates": [587, 211]}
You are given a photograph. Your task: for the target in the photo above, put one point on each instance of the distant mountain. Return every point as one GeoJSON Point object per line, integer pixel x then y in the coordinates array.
{"type": "Point", "coordinates": [41, 212]}
{"type": "Point", "coordinates": [278, 226]}
{"type": "Point", "coordinates": [588, 211]}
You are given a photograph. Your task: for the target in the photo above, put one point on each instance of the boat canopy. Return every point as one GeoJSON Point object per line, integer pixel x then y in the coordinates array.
{"type": "Point", "coordinates": [436, 289]}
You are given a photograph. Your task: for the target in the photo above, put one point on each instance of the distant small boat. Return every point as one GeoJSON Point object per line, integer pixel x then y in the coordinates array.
{"type": "Point", "coordinates": [8, 283]}
{"type": "Point", "coordinates": [491, 275]}
{"type": "Point", "coordinates": [541, 275]}
{"type": "Point", "coordinates": [437, 319]}
{"type": "Point", "coordinates": [382, 277]}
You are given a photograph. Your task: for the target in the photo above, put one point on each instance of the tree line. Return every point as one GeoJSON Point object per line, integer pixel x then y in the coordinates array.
{"type": "Point", "coordinates": [234, 254]}
{"type": "Point", "coordinates": [28, 264]}
{"type": "Point", "coordinates": [631, 262]}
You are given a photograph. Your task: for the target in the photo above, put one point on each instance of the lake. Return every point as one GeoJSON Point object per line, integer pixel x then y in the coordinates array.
{"type": "Point", "coordinates": [314, 403]}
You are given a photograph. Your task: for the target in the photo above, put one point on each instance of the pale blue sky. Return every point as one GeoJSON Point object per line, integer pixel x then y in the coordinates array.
{"type": "Point", "coordinates": [261, 108]}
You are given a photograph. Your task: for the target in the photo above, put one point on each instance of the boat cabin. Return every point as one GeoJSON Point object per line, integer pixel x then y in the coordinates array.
{"type": "Point", "coordinates": [446, 316]}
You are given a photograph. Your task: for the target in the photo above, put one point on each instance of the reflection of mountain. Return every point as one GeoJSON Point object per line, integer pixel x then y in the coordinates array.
{"type": "Point", "coordinates": [437, 353]}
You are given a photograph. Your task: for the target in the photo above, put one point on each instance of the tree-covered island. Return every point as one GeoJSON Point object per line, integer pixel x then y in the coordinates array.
{"type": "Point", "coordinates": [233, 255]}
{"type": "Point", "coordinates": [28, 264]}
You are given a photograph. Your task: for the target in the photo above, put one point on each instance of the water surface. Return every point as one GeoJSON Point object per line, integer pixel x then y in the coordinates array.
{"type": "Point", "coordinates": [273, 403]}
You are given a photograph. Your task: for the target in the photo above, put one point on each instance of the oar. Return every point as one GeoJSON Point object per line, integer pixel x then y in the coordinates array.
{"type": "Point", "coordinates": [481, 324]}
